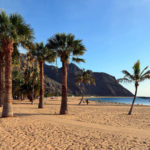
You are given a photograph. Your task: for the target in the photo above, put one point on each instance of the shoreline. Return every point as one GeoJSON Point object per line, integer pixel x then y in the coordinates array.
{"type": "Point", "coordinates": [98, 102]}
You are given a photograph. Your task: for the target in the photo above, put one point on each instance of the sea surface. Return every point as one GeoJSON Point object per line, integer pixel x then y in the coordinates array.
{"type": "Point", "coordinates": [140, 101]}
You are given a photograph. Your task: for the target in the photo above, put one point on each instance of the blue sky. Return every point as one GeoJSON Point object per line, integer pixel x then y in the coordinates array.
{"type": "Point", "coordinates": [116, 33]}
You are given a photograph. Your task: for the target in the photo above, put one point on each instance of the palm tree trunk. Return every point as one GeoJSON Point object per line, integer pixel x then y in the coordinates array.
{"type": "Point", "coordinates": [130, 111]}
{"type": "Point", "coordinates": [82, 92]}
{"type": "Point", "coordinates": [41, 101]}
{"type": "Point", "coordinates": [81, 99]}
{"type": "Point", "coordinates": [2, 90]}
{"type": "Point", "coordinates": [64, 109]}
{"type": "Point", "coordinates": [7, 106]}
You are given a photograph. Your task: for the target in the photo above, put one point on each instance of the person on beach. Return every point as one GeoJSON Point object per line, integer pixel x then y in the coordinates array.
{"type": "Point", "coordinates": [87, 101]}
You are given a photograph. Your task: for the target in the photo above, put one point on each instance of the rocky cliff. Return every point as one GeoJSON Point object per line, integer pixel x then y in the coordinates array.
{"type": "Point", "coordinates": [106, 85]}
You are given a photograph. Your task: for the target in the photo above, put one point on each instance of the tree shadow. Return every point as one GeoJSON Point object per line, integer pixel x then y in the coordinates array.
{"type": "Point", "coordinates": [26, 103]}
{"type": "Point", "coordinates": [37, 114]}
{"type": "Point", "coordinates": [50, 104]}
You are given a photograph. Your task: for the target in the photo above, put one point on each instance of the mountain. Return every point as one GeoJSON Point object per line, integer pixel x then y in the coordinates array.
{"type": "Point", "coordinates": [106, 85]}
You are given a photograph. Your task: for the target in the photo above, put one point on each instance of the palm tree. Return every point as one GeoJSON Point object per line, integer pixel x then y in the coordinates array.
{"type": "Point", "coordinates": [65, 46]}
{"type": "Point", "coordinates": [31, 86]}
{"type": "Point", "coordinates": [41, 52]}
{"type": "Point", "coordinates": [84, 78]}
{"type": "Point", "coordinates": [27, 80]}
{"type": "Point", "coordinates": [13, 30]}
{"type": "Point", "coordinates": [136, 77]}
{"type": "Point", "coordinates": [2, 90]}
{"type": "Point", "coordinates": [17, 83]}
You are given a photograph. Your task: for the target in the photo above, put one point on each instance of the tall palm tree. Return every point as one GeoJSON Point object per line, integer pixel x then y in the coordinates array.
{"type": "Point", "coordinates": [42, 53]}
{"type": "Point", "coordinates": [84, 78]}
{"type": "Point", "coordinates": [2, 72]}
{"type": "Point", "coordinates": [136, 77]}
{"type": "Point", "coordinates": [13, 30]}
{"type": "Point", "coordinates": [65, 46]}
{"type": "Point", "coordinates": [2, 90]}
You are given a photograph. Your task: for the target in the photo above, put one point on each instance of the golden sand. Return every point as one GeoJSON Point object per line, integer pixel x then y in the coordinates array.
{"type": "Point", "coordinates": [96, 126]}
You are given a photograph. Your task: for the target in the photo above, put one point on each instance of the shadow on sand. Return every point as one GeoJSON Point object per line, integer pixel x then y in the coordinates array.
{"type": "Point", "coordinates": [30, 114]}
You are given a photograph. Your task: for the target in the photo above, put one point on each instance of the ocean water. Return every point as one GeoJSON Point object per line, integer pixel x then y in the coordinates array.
{"type": "Point", "coordinates": [140, 101]}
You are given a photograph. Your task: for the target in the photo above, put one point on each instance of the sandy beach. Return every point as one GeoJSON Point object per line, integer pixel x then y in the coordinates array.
{"type": "Point", "coordinates": [87, 127]}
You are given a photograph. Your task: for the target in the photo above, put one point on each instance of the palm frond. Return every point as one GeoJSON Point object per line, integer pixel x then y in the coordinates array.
{"type": "Point", "coordinates": [85, 77]}
{"type": "Point", "coordinates": [126, 80]}
{"type": "Point", "coordinates": [128, 75]}
{"type": "Point", "coordinates": [136, 69]}
{"type": "Point", "coordinates": [42, 53]}
{"type": "Point", "coordinates": [78, 60]}
{"type": "Point", "coordinates": [146, 73]}
{"type": "Point", "coordinates": [143, 70]}
{"type": "Point", "coordinates": [13, 28]}
{"type": "Point", "coordinates": [64, 45]}
{"type": "Point", "coordinates": [144, 77]}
